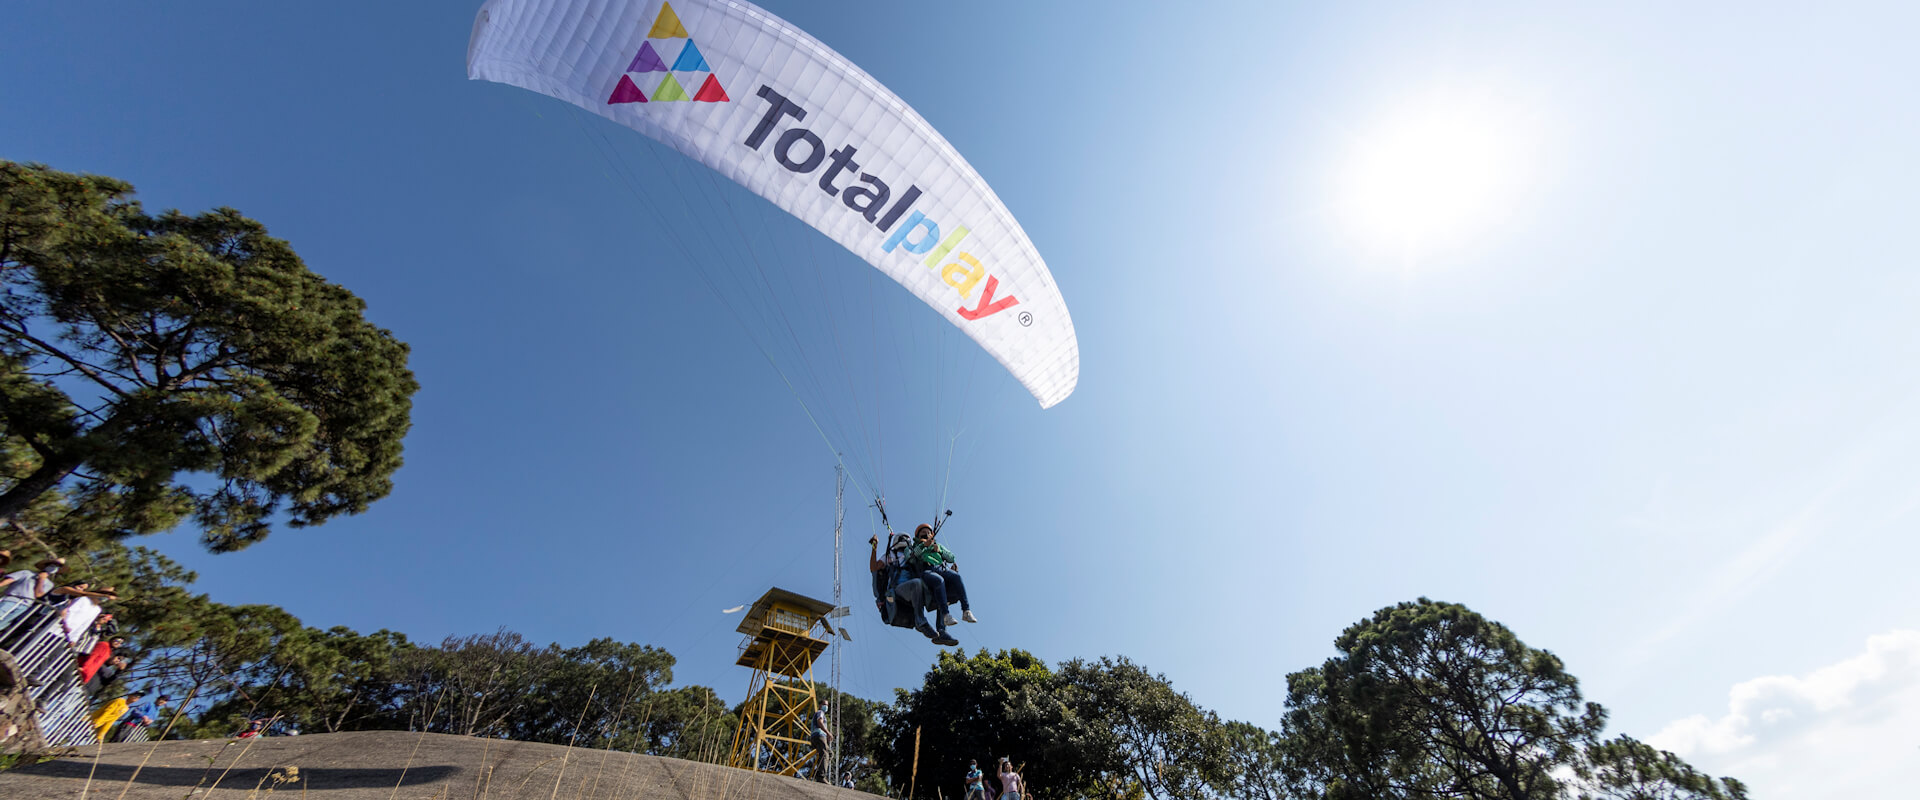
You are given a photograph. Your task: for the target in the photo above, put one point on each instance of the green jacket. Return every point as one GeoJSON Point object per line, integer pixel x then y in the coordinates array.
{"type": "Point", "coordinates": [930, 557]}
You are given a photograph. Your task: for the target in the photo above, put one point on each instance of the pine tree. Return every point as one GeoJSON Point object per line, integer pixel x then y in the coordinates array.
{"type": "Point", "coordinates": [137, 350]}
{"type": "Point", "coordinates": [1430, 699]}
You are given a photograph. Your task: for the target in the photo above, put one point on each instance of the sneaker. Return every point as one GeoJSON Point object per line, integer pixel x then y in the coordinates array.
{"type": "Point", "coordinates": [889, 599]}
{"type": "Point", "coordinates": [945, 640]}
{"type": "Point", "coordinates": [947, 621]}
{"type": "Point", "coordinates": [968, 616]}
{"type": "Point", "coordinates": [927, 630]}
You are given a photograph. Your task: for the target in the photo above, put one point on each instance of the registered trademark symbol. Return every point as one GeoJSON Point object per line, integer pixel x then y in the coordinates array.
{"type": "Point", "coordinates": [1026, 318]}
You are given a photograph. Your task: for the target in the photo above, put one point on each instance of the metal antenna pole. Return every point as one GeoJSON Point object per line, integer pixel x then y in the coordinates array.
{"type": "Point", "coordinates": [839, 519]}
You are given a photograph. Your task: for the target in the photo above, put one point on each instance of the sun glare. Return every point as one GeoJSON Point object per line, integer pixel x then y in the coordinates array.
{"type": "Point", "coordinates": [1434, 176]}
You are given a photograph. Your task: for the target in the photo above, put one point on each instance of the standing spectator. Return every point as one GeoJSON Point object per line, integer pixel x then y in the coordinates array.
{"type": "Point", "coordinates": [102, 652]}
{"type": "Point", "coordinates": [111, 713]}
{"type": "Point", "coordinates": [820, 738]}
{"type": "Point", "coordinates": [82, 608]}
{"type": "Point", "coordinates": [139, 715]}
{"type": "Point", "coordinates": [7, 580]}
{"type": "Point", "coordinates": [25, 586]}
{"type": "Point", "coordinates": [976, 781]}
{"type": "Point", "coordinates": [35, 583]}
{"type": "Point", "coordinates": [160, 710]}
{"type": "Point", "coordinates": [1010, 787]}
{"type": "Point", "coordinates": [104, 678]}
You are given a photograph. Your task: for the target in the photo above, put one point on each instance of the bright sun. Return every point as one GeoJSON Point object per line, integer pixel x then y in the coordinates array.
{"type": "Point", "coordinates": [1436, 175]}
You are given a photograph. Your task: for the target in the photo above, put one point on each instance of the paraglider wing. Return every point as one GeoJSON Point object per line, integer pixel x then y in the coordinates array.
{"type": "Point", "coordinates": [773, 109]}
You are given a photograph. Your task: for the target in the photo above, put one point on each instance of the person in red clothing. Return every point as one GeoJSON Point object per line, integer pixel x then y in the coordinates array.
{"type": "Point", "coordinates": [93, 661]}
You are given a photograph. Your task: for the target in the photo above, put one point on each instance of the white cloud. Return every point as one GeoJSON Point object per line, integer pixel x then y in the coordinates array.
{"type": "Point", "coordinates": [1849, 729]}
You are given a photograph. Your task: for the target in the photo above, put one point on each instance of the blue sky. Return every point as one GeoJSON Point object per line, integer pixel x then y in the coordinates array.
{"type": "Point", "coordinates": [1655, 411]}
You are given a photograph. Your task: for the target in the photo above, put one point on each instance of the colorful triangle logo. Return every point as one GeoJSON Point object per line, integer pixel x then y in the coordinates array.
{"type": "Point", "coordinates": [667, 25]}
{"type": "Point", "coordinates": [710, 92]}
{"type": "Point", "coordinates": [627, 92]}
{"type": "Point", "coordinates": [690, 60]}
{"type": "Point", "coordinates": [648, 59]}
{"type": "Point", "coordinates": [668, 90]}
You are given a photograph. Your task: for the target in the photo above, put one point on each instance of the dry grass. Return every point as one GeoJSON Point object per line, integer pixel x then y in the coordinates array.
{"type": "Point", "coordinates": [368, 766]}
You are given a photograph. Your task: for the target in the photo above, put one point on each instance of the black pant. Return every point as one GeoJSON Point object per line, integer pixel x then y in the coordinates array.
{"type": "Point", "coordinates": [820, 769]}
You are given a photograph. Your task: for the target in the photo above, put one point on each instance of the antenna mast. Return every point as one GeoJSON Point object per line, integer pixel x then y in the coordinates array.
{"type": "Point", "coordinates": [839, 518]}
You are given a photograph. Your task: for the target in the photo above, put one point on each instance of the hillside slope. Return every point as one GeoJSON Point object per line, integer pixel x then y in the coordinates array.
{"type": "Point", "coordinates": [384, 765]}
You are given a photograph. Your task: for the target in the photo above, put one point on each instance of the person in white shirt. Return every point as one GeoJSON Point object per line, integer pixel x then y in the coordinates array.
{"type": "Point", "coordinates": [1010, 787]}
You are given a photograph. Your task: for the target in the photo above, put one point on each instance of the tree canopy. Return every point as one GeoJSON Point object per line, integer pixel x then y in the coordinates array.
{"type": "Point", "coordinates": [977, 707]}
{"type": "Point", "coordinates": [1090, 728]}
{"type": "Point", "coordinates": [1431, 699]}
{"type": "Point", "coordinates": [155, 368]}
{"type": "Point", "coordinates": [1423, 700]}
{"type": "Point", "coordinates": [1625, 768]}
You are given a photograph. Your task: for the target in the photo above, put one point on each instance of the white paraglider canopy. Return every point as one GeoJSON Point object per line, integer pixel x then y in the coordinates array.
{"type": "Point", "coordinates": [771, 108]}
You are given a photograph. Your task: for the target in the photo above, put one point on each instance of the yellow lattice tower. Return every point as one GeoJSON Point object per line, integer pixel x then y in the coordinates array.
{"type": "Point", "coordinates": [780, 647]}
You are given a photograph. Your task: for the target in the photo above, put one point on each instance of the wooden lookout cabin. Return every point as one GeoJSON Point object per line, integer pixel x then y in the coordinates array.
{"type": "Point", "coordinates": [786, 633]}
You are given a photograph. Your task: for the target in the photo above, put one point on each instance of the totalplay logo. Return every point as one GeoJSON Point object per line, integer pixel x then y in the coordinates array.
{"type": "Point", "coordinates": [800, 150]}
{"type": "Point", "coordinates": [649, 67]}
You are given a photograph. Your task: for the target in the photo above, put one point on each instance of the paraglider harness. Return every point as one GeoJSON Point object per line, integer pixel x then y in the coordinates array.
{"type": "Point", "coordinates": [910, 596]}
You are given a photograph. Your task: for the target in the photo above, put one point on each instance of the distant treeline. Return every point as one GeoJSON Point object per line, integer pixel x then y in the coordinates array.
{"type": "Point", "coordinates": [1421, 700]}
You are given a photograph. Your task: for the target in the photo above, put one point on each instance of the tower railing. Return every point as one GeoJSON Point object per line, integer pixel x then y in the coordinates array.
{"type": "Point", "coordinates": [45, 660]}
